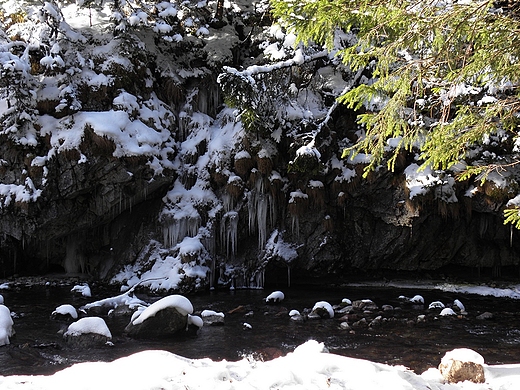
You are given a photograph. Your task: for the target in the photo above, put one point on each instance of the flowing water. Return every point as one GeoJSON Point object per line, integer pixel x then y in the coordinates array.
{"type": "Point", "coordinates": [38, 347]}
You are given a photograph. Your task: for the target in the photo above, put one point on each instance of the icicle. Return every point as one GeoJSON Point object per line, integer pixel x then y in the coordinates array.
{"type": "Point", "coordinates": [511, 235]}
{"type": "Point", "coordinates": [295, 228]}
{"type": "Point", "coordinates": [288, 275]}
{"type": "Point", "coordinates": [228, 232]}
{"type": "Point", "coordinates": [259, 279]}
{"type": "Point", "coordinates": [227, 201]}
{"type": "Point", "coordinates": [177, 229]}
{"type": "Point", "coordinates": [252, 211]}
{"type": "Point", "coordinates": [233, 232]}
{"type": "Point", "coordinates": [272, 210]}
{"type": "Point", "coordinates": [212, 274]}
{"type": "Point", "coordinates": [262, 220]}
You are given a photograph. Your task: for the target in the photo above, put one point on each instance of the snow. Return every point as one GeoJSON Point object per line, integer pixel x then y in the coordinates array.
{"type": "Point", "coordinates": [211, 313]}
{"type": "Point", "coordinates": [275, 296]}
{"type": "Point", "coordinates": [182, 304]}
{"type": "Point", "coordinates": [83, 289]}
{"type": "Point", "coordinates": [447, 312]}
{"type": "Point", "coordinates": [324, 305]}
{"type": "Point", "coordinates": [66, 310]}
{"type": "Point", "coordinates": [113, 302]}
{"type": "Point", "coordinates": [195, 320]}
{"type": "Point", "coordinates": [464, 355]}
{"type": "Point", "coordinates": [308, 367]}
{"type": "Point", "coordinates": [422, 179]}
{"type": "Point", "coordinates": [88, 325]}
{"type": "Point", "coordinates": [459, 304]}
{"type": "Point", "coordinates": [6, 325]}
{"type": "Point", "coordinates": [276, 247]}
{"type": "Point", "coordinates": [436, 305]}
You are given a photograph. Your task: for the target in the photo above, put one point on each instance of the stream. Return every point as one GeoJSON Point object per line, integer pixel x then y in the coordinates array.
{"type": "Point", "coordinates": [38, 347]}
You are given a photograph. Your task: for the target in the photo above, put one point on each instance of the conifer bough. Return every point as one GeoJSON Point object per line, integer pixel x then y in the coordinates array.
{"type": "Point", "coordinates": [447, 71]}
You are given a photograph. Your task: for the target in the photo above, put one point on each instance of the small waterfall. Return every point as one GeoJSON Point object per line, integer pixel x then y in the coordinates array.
{"type": "Point", "coordinates": [208, 98]}
{"type": "Point", "coordinates": [74, 261]}
{"type": "Point", "coordinates": [258, 279]}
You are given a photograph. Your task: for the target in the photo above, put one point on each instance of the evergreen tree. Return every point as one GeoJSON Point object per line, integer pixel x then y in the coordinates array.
{"type": "Point", "coordinates": [444, 78]}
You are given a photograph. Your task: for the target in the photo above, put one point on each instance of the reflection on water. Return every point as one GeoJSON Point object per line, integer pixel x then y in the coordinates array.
{"type": "Point", "coordinates": [38, 348]}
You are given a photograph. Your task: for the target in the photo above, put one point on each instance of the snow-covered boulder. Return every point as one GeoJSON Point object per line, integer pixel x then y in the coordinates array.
{"type": "Point", "coordinates": [364, 305]}
{"type": "Point", "coordinates": [447, 312]}
{"type": "Point", "coordinates": [211, 317]}
{"type": "Point", "coordinates": [322, 309]}
{"type": "Point", "coordinates": [436, 305]}
{"type": "Point", "coordinates": [295, 315]}
{"type": "Point", "coordinates": [163, 318]}
{"type": "Point", "coordinates": [6, 325]}
{"type": "Point", "coordinates": [65, 313]}
{"type": "Point", "coordinates": [458, 307]}
{"type": "Point", "coordinates": [88, 332]}
{"type": "Point", "coordinates": [195, 321]}
{"type": "Point", "coordinates": [275, 297]}
{"type": "Point", "coordinates": [462, 365]}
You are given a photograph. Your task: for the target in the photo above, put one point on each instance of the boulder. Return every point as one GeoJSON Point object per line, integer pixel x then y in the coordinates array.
{"type": "Point", "coordinates": [88, 332]}
{"type": "Point", "coordinates": [364, 305]}
{"type": "Point", "coordinates": [275, 297]}
{"type": "Point", "coordinates": [211, 317]}
{"type": "Point", "coordinates": [165, 323]}
{"type": "Point", "coordinates": [462, 365]}
{"type": "Point", "coordinates": [322, 309]}
{"type": "Point", "coordinates": [65, 313]}
{"type": "Point", "coordinates": [485, 316]}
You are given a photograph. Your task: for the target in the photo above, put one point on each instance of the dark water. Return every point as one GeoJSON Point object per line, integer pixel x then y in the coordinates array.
{"type": "Point", "coordinates": [38, 348]}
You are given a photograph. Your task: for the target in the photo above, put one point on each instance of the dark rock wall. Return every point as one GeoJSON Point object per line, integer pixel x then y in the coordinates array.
{"type": "Point", "coordinates": [99, 212]}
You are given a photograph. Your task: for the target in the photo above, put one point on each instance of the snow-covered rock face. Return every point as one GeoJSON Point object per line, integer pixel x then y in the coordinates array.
{"type": "Point", "coordinates": [6, 325]}
{"type": "Point", "coordinates": [117, 136]}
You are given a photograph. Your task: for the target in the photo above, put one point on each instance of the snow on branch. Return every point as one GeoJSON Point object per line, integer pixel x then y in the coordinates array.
{"type": "Point", "coordinates": [298, 59]}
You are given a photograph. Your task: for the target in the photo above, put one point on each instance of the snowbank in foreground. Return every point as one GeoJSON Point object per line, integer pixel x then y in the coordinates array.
{"type": "Point", "coordinates": [308, 367]}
